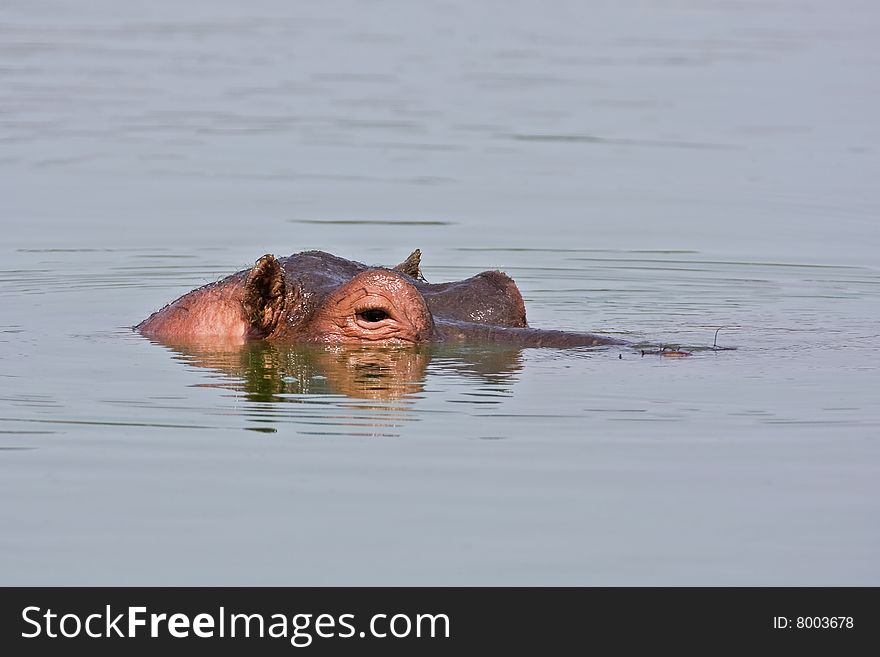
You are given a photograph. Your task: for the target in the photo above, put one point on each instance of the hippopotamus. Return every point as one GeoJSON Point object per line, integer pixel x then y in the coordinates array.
{"type": "Point", "coordinates": [318, 298]}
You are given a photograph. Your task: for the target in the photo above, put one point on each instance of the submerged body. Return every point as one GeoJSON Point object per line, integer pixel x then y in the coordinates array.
{"type": "Point", "coordinates": [316, 297]}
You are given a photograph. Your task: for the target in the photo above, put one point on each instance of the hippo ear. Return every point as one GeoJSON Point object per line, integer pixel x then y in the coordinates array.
{"type": "Point", "coordinates": [410, 266]}
{"type": "Point", "coordinates": [263, 300]}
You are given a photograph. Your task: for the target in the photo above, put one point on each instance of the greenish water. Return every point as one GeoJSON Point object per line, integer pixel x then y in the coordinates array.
{"type": "Point", "coordinates": [653, 170]}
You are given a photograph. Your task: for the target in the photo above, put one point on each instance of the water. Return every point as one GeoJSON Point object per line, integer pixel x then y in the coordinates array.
{"type": "Point", "coordinates": [652, 169]}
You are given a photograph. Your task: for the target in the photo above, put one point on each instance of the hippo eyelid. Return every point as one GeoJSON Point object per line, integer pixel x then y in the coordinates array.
{"type": "Point", "coordinates": [373, 315]}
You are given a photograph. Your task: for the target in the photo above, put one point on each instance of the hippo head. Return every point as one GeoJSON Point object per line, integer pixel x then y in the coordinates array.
{"type": "Point", "coordinates": [315, 297]}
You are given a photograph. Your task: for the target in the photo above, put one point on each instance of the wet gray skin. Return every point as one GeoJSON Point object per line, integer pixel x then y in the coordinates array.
{"type": "Point", "coordinates": [316, 297]}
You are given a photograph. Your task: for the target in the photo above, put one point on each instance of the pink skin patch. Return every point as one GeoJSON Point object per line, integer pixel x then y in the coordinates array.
{"type": "Point", "coordinates": [212, 313]}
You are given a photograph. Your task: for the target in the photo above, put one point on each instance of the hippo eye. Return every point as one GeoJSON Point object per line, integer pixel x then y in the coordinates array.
{"type": "Point", "coordinates": [372, 315]}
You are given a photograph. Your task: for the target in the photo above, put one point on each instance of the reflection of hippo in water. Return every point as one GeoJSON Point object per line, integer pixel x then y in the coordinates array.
{"type": "Point", "coordinates": [270, 372]}
{"type": "Point", "coordinates": [315, 297]}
